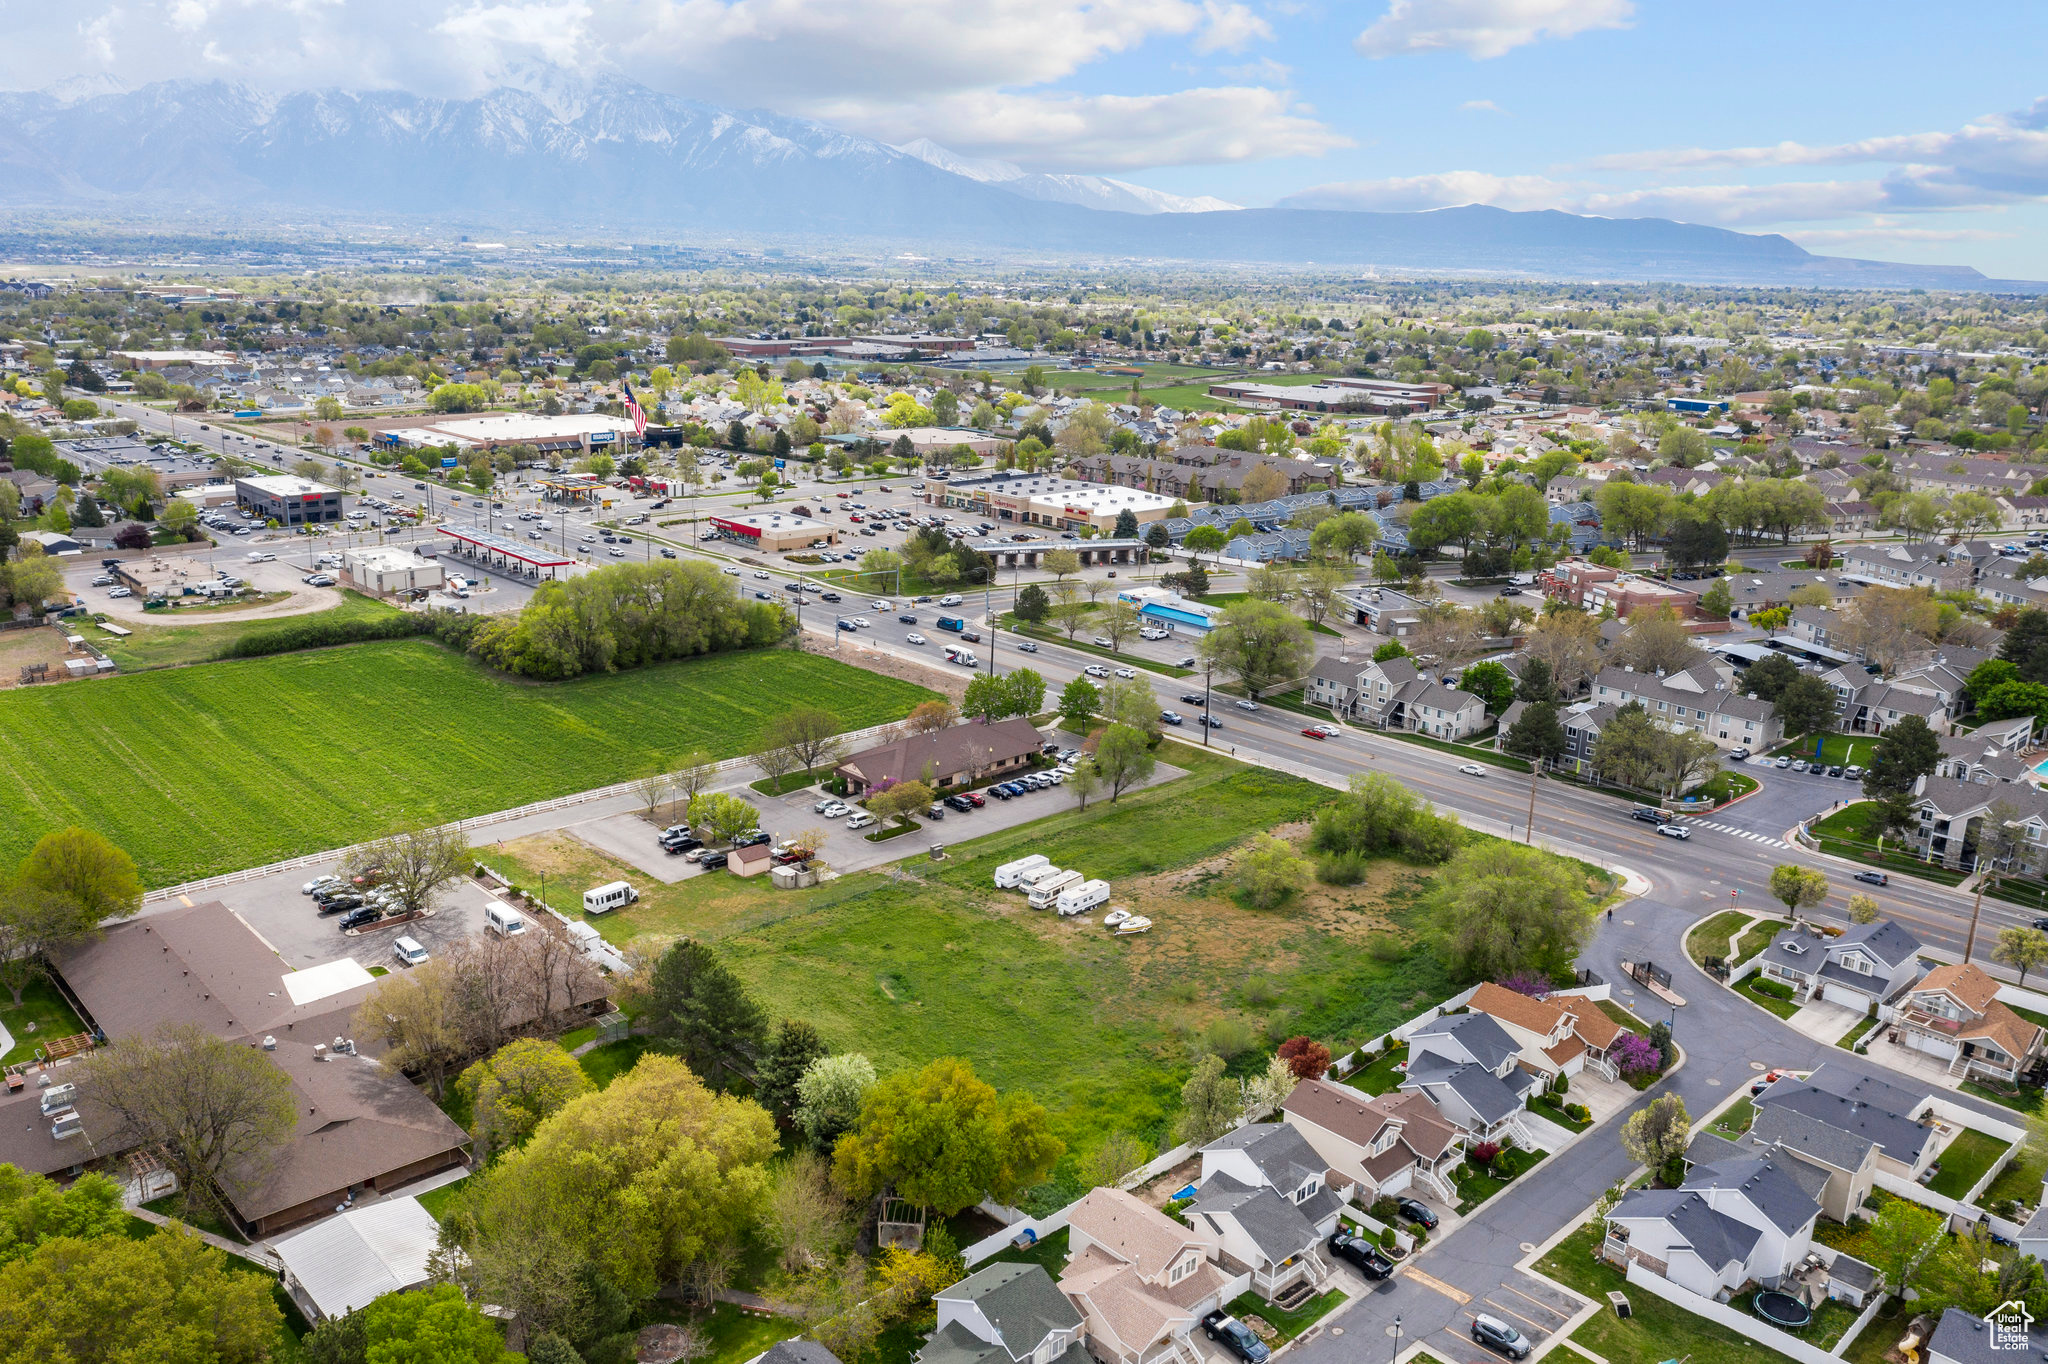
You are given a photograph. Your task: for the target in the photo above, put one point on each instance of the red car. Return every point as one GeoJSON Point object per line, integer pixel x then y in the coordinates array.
{"type": "Point", "coordinates": [978, 799]}
{"type": "Point", "coordinates": [1314, 734]}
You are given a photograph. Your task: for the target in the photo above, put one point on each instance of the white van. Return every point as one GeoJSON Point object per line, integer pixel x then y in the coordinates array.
{"type": "Point", "coordinates": [1047, 893]}
{"type": "Point", "coordinates": [409, 951]}
{"type": "Point", "coordinates": [1010, 873]}
{"type": "Point", "coordinates": [1026, 881]}
{"type": "Point", "coordinates": [1082, 898]}
{"type": "Point", "coordinates": [503, 920]}
{"type": "Point", "coordinates": [607, 898]}
{"type": "Point", "coordinates": [861, 820]}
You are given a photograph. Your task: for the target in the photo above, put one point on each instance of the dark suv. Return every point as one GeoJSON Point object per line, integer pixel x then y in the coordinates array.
{"type": "Point", "coordinates": [361, 917]}
{"type": "Point", "coordinates": [1235, 1337]}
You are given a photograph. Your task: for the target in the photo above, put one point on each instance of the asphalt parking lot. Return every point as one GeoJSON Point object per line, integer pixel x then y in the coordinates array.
{"type": "Point", "coordinates": [302, 936]}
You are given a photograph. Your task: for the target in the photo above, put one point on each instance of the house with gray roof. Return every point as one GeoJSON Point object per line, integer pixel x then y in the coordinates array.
{"type": "Point", "coordinates": [1273, 1238]}
{"type": "Point", "coordinates": [1731, 1223]}
{"type": "Point", "coordinates": [1894, 1120]}
{"type": "Point", "coordinates": [1939, 567]}
{"type": "Point", "coordinates": [1466, 1064]}
{"type": "Point", "coordinates": [1859, 968]}
{"type": "Point", "coordinates": [796, 1350]}
{"type": "Point", "coordinates": [1989, 755]}
{"type": "Point", "coordinates": [1705, 697]}
{"type": "Point", "coordinates": [1964, 1338]}
{"type": "Point", "coordinates": [1845, 1161]}
{"type": "Point", "coordinates": [1005, 1314]}
{"type": "Point", "coordinates": [1949, 819]}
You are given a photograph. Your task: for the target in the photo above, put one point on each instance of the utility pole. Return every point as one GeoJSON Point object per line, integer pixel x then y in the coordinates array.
{"type": "Point", "coordinates": [1529, 832]}
{"type": "Point", "coordinates": [1207, 698]}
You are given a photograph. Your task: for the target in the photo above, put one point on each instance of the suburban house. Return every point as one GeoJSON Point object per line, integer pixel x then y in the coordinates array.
{"type": "Point", "coordinates": [1859, 968]}
{"type": "Point", "coordinates": [1891, 1118]}
{"type": "Point", "coordinates": [1263, 1195]}
{"type": "Point", "coordinates": [1847, 1159]}
{"type": "Point", "coordinates": [1140, 1280]}
{"type": "Point", "coordinates": [1704, 696]}
{"type": "Point", "coordinates": [1561, 1035]}
{"type": "Point", "coordinates": [1395, 694]}
{"type": "Point", "coordinates": [1731, 1223]}
{"type": "Point", "coordinates": [1466, 1065]}
{"type": "Point", "coordinates": [1386, 1144]}
{"type": "Point", "coordinates": [1950, 818]}
{"type": "Point", "coordinates": [1953, 1013]}
{"type": "Point", "coordinates": [1963, 1338]}
{"type": "Point", "coordinates": [1005, 1314]}
{"type": "Point", "coordinates": [960, 755]}
{"type": "Point", "coordinates": [1940, 568]}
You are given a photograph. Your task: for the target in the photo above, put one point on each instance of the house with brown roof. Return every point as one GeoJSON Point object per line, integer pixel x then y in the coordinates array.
{"type": "Point", "coordinates": [962, 755]}
{"type": "Point", "coordinates": [1954, 1014]}
{"type": "Point", "coordinates": [1384, 1144]}
{"type": "Point", "coordinates": [1141, 1280]}
{"type": "Point", "coordinates": [1561, 1035]}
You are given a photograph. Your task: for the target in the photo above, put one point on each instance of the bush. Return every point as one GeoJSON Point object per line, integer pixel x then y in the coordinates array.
{"type": "Point", "coordinates": [1484, 1153]}
{"type": "Point", "coordinates": [1229, 1037]}
{"type": "Point", "coordinates": [1387, 1241]}
{"type": "Point", "coordinates": [1579, 1112]}
{"type": "Point", "coordinates": [1563, 1085]}
{"type": "Point", "coordinates": [1384, 1209]}
{"type": "Point", "coordinates": [1776, 989]}
{"type": "Point", "coordinates": [1341, 869]}
{"type": "Point", "coordinates": [312, 632]}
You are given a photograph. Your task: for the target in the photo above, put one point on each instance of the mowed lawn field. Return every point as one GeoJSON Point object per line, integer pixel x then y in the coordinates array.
{"type": "Point", "coordinates": [171, 639]}
{"type": "Point", "coordinates": [201, 770]}
{"type": "Point", "coordinates": [930, 959]}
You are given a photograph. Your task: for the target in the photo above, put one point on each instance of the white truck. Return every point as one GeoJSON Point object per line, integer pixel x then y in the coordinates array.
{"type": "Point", "coordinates": [1082, 898]}
{"type": "Point", "coordinates": [1047, 893]}
{"type": "Point", "coordinates": [1029, 879]}
{"type": "Point", "coordinates": [1010, 873]}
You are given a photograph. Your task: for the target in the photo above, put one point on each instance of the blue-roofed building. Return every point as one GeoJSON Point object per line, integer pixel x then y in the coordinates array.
{"type": "Point", "coordinates": [1170, 609]}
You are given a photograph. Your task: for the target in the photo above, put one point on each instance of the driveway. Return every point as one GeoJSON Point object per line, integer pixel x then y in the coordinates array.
{"type": "Point", "coordinates": [1897, 1056]}
{"type": "Point", "coordinates": [631, 839]}
{"type": "Point", "coordinates": [1825, 1023]}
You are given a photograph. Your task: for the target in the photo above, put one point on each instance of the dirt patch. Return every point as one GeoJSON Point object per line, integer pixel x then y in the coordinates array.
{"type": "Point", "coordinates": [25, 648]}
{"type": "Point", "coordinates": [949, 682]}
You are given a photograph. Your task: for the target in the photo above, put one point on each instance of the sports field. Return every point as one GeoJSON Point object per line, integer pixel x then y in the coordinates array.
{"type": "Point", "coordinates": [202, 770]}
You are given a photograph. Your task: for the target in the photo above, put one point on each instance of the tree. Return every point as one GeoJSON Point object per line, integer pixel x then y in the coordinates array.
{"type": "Point", "coordinates": [1655, 639]}
{"type": "Point", "coordinates": [86, 515]}
{"type": "Point", "coordinates": [811, 734]}
{"type": "Point", "coordinates": [1717, 601]}
{"type": "Point", "coordinates": [806, 1217]}
{"type": "Point", "coordinates": [512, 1091]}
{"type": "Point", "coordinates": [1259, 644]}
{"type": "Point", "coordinates": [699, 769]}
{"type": "Point", "coordinates": [696, 1003]}
{"type": "Point", "coordinates": [1897, 1237]}
{"type": "Point", "coordinates": [1905, 753]}
{"type": "Point", "coordinates": [1207, 539]}
{"type": "Point", "coordinates": [133, 535]}
{"type": "Point", "coordinates": [35, 924]}
{"type": "Point", "coordinates": [724, 817]}
{"type": "Point", "coordinates": [1656, 1135]}
{"type": "Point", "coordinates": [1126, 525]}
{"type": "Point", "coordinates": [86, 870]}
{"type": "Point", "coordinates": [34, 1210]}
{"type": "Point", "coordinates": [215, 1110]}
{"type": "Point", "coordinates": [414, 864]}
{"type": "Point", "coordinates": [900, 802]}
{"type": "Point", "coordinates": [1498, 908]}
{"type": "Point", "coordinates": [1769, 676]}
{"type": "Point", "coordinates": [1209, 1102]}
{"type": "Point", "coordinates": [2023, 949]}
{"type": "Point", "coordinates": [1806, 705]}
{"type": "Point", "coordinates": [1062, 564]}
{"type": "Point", "coordinates": [1068, 609]}
{"type": "Point", "coordinates": [661, 1174]}
{"type": "Point", "coordinates": [1798, 887]}
{"type": "Point", "coordinates": [1306, 1060]}
{"type": "Point", "coordinates": [1568, 642]}
{"type": "Point", "coordinates": [829, 1095]}
{"type": "Point", "coordinates": [944, 1139]}
{"type": "Point", "coordinates": [1027, 691]}
{"type": "Point", "coordinates": [1123, 759]}
{"type": "Point", "coordinates": [1345, 535]}
{"type": "Point", "coordinates": [1696, 542]}
{"type": "Point", "coordinates": [1393, 648]}
{"type": "Point", "coordinates": [1491, 683]}
{"type": "Point", "coordinates": [929, 717]}
{"type": "Point", "coordinates": [1889, 625]}
{"type": "Point", "coordinates": [1268, 872]}
{"type": "Point", "coordinates": [1032, 604]}
{"type": "Point", "coordinates": [1317, 588]}
{"type": "Point", "coordinates": [1079, 702]}
{"type": "Point", "coordinates": [1862, 909]}
{"type": "Point", "coordinates": [1538, 734]}
{"type": "Point", "coordinates": [168, 1296]}
{"type": "Point", "coordinates": [987, 698]}
{"type": "Point", "coordinates": [433, 1323]}
{"type": "Point", "coordinates": [791, 1049]}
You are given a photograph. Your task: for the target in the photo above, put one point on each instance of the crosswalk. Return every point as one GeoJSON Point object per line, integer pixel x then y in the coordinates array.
{"type": "Point", "coordinates": [1764, 839]}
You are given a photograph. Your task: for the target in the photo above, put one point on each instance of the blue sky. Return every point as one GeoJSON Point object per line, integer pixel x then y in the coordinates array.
{"type": "Point", "coordinates": [1876, 129]}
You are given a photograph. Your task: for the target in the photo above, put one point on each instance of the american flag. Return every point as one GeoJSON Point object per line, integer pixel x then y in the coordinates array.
{"type": "Point", "coordinates": [633, 410]}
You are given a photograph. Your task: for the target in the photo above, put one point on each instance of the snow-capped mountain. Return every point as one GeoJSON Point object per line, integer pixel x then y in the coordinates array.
{"type": "Point", "coordinates": [1089, 191]}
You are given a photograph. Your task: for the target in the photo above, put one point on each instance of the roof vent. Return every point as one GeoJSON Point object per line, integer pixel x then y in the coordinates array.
{"type": "Point", "coordinates": [269, 1042]}
{"type": "Point", "coordinates": [319, 1051]}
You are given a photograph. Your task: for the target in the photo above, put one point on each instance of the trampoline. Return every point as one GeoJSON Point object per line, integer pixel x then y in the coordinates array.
{"type": "Point", "coordinates": [1782, 1309]}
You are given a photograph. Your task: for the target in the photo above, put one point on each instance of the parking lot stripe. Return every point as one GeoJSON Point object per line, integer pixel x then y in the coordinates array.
{"type": "Point", "coordinates": [1438, 1286]}
{"type": "Point", "coordinates": [1539, 1303]}
{"type": "Point", "coordinates": [1534, 1325]}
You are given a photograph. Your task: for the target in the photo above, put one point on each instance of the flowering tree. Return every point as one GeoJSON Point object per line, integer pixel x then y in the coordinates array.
{"type": "Point", "coordinates": [1306, 1060]}
{"type": "Point", "coordinates": [1529, 983]}
{"type": "Point", "coordinates": [1633, 1055]}
{"type": "Point", "coordinates": [1484, 1152]}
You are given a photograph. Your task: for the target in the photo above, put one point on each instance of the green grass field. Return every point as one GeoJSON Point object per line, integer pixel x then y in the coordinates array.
{"type": "Point", "coordinates": [1964, 1161]}
{"type": "Point", "coordinates": [930, 960]}
{"type": "Point", "coordinates": [1846, 833]}
{"type": "Point", "coordinates": [197, 771]}
{"type": "Point", "coordinates": [1710, 939]}
{"type": "Point", "coordinates": [1657, 1330]}
{"type": "Point", "coordinates": [42, 1017]}
{"type": "Point", "coordinates": [1756, 938]}
{"type": "Point", "coordinates": [1838, 750]}
{"type": "Point", "coordinates": [167, 645]}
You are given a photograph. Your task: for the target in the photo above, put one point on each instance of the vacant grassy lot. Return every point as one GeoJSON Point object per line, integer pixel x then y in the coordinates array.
{"type": "Point", "coordinates": [202, 770]}
{"type": "Point", "coordinates": [165, 646]}
{"type": "Point", "coordinates": [929, 960]}
{"type": "Point", "coordinates": [1964, 1161]}
{"type": "Point", "coordinates": [1658, 1330]}
{"type": "Point", "coordinates": [1710, 939]}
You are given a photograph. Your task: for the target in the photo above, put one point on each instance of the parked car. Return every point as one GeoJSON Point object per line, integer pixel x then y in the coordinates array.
{"type": "Point", "coordinates": [1236, 1337]}
{"type": "Point", "coordinates": [1417, 1212]}
{"type": "Point", "coordinates": [1878, 878]}
{"type": "Point", "coordinates": [1496, 1334]}
{"type": "Point", "coordinates": [1834, 771]}
{"type": "Point", "coordinates": [361, 918]}
{"type": "Point", "coordinates": [1785, 762]}
{"type": "Point", "coordinates": [712, 861]}
{"type": "Point", "coordinates": [1361, 1253]}
{"type": "Point", "coordinates": [339, 904]}
{"type": "Point", "coordinates": [1852, 772]}
{"type": "Point", "coordinates": [960, 803]}
{"type": "Point", "coordinates": [409, 950]}
{"type": "Point", "coordinates": [836, 810]}
{"type": "Point", "coordinates": [1738, 755]}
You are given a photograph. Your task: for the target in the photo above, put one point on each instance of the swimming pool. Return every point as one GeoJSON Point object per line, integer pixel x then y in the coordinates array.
{"type": "Point", "coordinates": [2041, 768]}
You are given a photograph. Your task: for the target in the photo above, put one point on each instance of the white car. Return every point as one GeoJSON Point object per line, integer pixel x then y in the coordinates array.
{"type": "Point", "coordinates": [835, 810]}
{"type": "Point", "coordinates": [1674, 831]}
{"type": "Point", "coordinates": [614, 551]}
{"type": "Point", "coordinates": [762, 576]}
{"type": "Point", "coordinates": [119, 592]}
{"type": "Point", "coordinates": [318, 883]}
{"type": "Point", "coordinates": [863, 622]}
{"type": "Point", "coordinates": [104, 580]}
{"type": "Point", "coordinates": [731, 572]}
{"type": "Point", "coordinates": [1127, 674]}
{"type": "Point", "coordinates": [1247, 705]}
{"type": "Point", "coordinates": [1472, 770]}
{"type": "Point", "coordinates": [949, 600]}
{"type": "Point", "coordinates": [914, 637]}
{"type": "Point", "coordinates": [1096, 670]}
{"type": "Point", "coordinates": [860, 821]}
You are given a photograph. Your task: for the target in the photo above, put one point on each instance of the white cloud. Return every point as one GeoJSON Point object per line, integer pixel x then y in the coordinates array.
{"type": "Point", "coordinates": [1449, 189]}
{"type": "Point", "coordinates": [1485, 28]}
{"type": "Point", "coordinates": [1230, 28]}
{"type": "Point", "coordinates": [1481, 106]}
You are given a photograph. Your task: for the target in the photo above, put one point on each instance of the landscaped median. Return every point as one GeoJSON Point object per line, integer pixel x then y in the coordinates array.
{"type": "Point", "coordinates": [1847, 834]}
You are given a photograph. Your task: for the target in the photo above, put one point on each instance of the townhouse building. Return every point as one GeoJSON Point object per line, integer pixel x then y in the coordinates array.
{"type": "Point", "coordinates": [1704, 696]}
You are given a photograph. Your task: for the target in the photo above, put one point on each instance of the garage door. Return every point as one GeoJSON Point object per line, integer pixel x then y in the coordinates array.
{"type": "Point", "coordinates": [1843, 995]}
{"type": "Point", "coordinates": [1933, 1046]}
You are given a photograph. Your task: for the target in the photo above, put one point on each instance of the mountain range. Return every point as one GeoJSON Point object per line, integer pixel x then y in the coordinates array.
{"type": "Point", "coordinates": [548, 152]}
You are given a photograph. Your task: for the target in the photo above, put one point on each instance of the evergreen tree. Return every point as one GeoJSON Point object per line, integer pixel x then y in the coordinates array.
{"type": "Point", "coordinates": [696, 1003]}
{"type": "Point", "coordinates": [1126, 525]}
{"type": "Point", "coordinates": [86, 514]}
{"type": "Point", "coordinates": [792, 1048]}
